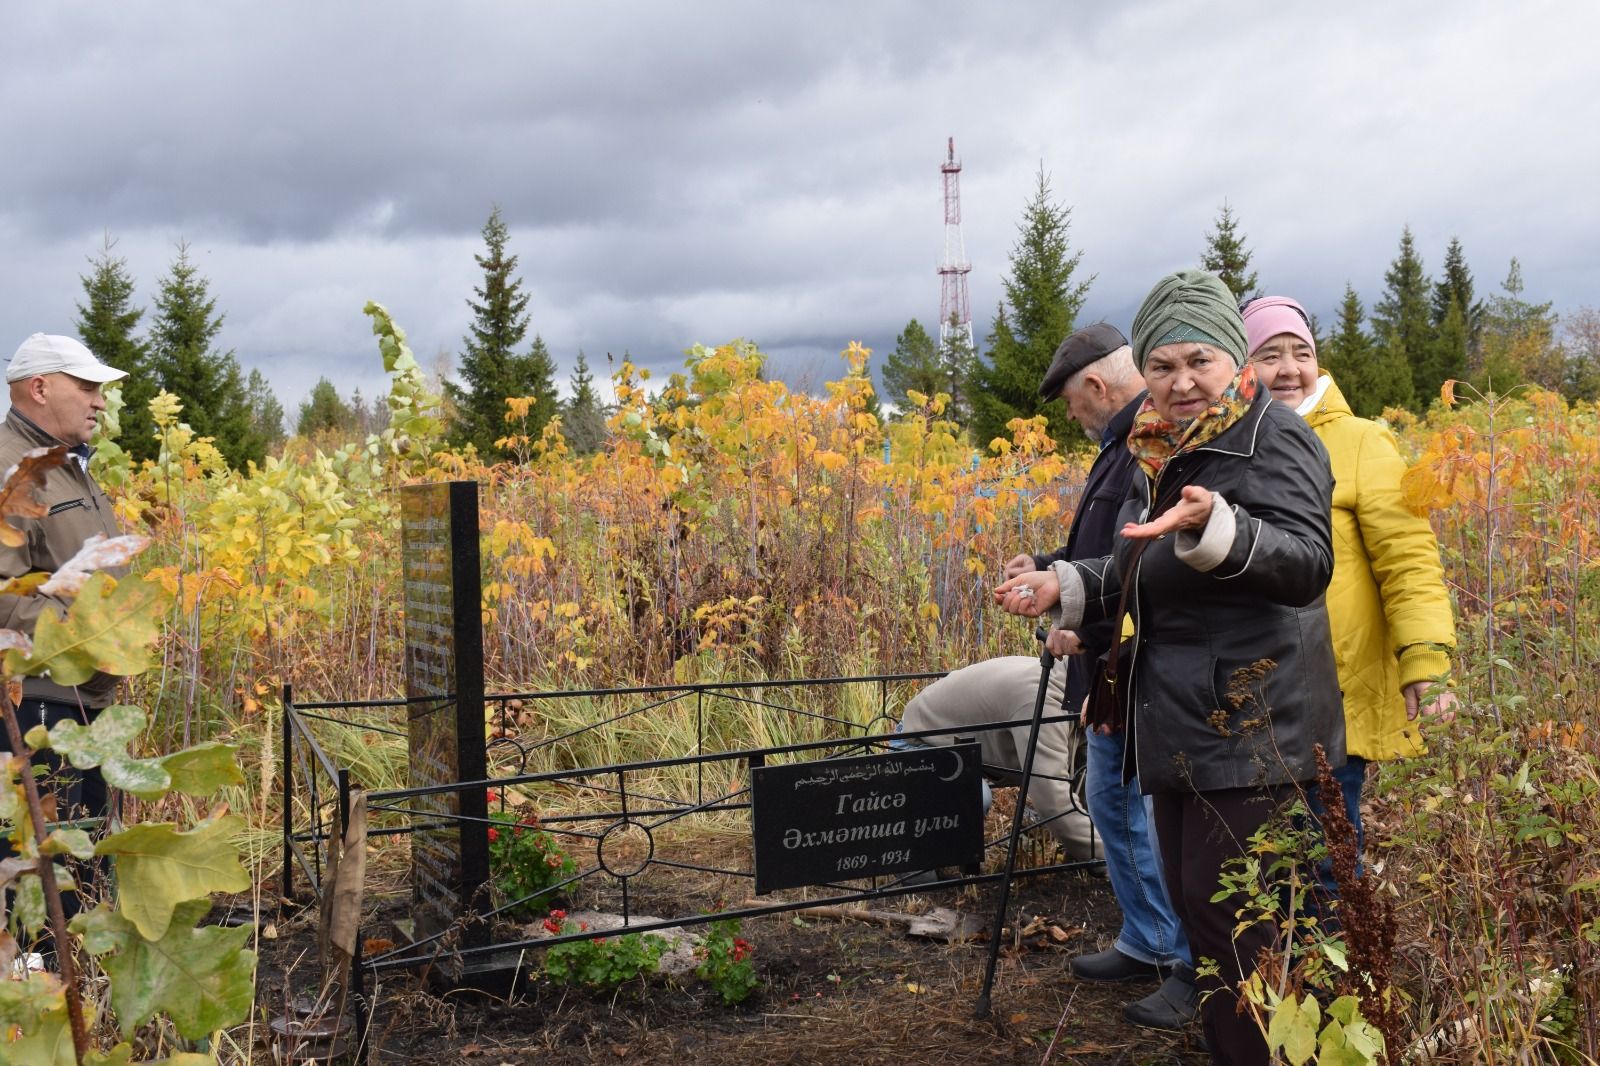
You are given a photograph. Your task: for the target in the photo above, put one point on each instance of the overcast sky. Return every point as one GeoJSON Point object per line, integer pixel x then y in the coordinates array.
{"type": "Point", "coordinates": [694, 172]}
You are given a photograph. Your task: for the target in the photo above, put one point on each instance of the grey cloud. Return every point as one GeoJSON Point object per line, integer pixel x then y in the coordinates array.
{"type": "Point", "coordinates": [683, 173]}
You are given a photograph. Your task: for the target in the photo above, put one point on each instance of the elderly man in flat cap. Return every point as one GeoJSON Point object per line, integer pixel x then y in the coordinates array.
{"type": "Point", "coordinates": [1094, 375]}
{"type": "Point", "coordinates": [56, 400]}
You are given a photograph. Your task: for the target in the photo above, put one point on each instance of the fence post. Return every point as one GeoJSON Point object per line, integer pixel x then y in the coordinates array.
{"type": "Point", "coordinates": [288, 793]}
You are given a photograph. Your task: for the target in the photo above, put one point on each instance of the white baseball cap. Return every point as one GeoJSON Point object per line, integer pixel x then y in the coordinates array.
{"type": "Point", "coordinates": [47, 353]}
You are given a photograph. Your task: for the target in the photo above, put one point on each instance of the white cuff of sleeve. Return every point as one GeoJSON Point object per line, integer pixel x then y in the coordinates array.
{"type": "Point", "coordinates": [1068, 612]}
{"type": "Point", "coordinates": [1207, 549]}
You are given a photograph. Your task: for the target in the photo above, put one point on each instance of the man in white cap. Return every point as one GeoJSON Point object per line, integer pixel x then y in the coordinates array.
{"type": "Point", "coordinates": [56, 400]}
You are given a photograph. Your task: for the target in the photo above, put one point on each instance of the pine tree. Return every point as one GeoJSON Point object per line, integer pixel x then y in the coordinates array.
{"type": "Point", "coordinates": [1400, 321]}
{"type": "Point", "coordinates": [914, 366]}
{"type": "Point", "coordinates": [490, 369]}
{"type": "Point", "coordinates": [106, 324]}
{"type": "Point", "coordinates": [583, 420]}
{"type": "Point", "coordinates": [266, 413]}
{"type": "Point", "coordinates": [1227, 257]}
{"type": "Point", "coordinates": [208, 382]}
{"type": "Point", "coordinates": [1040, 307]}
{"type": "Point", "coordinates": [324, 411]}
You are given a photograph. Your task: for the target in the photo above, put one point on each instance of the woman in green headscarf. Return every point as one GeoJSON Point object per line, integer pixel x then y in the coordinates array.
{"type": "Point", "coordinates": [1222, 564]}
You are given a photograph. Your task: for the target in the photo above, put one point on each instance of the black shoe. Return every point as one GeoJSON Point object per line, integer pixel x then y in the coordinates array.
{"type": "Point", "coordinates": [1113, 965]}
{"type": "Point", "coordinates": [1172, 1006]}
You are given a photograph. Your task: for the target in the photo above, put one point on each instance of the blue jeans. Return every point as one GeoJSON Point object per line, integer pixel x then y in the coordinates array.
{"type": "Point", "coordinates": [1150, 930]}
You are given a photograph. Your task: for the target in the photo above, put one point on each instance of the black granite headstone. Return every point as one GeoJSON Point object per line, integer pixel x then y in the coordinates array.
{"type": "Point", "coordinates": [444, 695]}
{"type": "Point", "coordinates": [843, 819]}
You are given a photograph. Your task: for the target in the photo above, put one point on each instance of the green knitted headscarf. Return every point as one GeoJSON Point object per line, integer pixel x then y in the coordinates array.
{"type": "Point", "coordinates": [1190, 305]}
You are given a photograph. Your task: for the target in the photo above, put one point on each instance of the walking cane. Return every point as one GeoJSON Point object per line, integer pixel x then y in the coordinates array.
{"type": "Point", "coordinates": [1047, 662]}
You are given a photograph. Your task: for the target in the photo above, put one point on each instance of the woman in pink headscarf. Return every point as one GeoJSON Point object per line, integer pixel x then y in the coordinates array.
{"type": "Point", "coordinates": [1392, 623]}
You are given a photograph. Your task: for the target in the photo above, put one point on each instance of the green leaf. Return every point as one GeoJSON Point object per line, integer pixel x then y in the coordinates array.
{"type": "Point", "coordinates": [121, 1055]}
{"type": "Point", "coordinates": [1294, 1029]}
{"type": "Point", "coordinates": [101, 929]}
{"type": "Point", "coordinates": [1335, 1052]}
{"type": "Point", "coordinates": [104, 743]}
{"type": "Point", "coordinates": [37, 738]}
{"type": "Point", "coordinates": [109, 629]}
{"type": "Point", "coordinates": [200, 978]}
{"type": "Point", "coordinates": [159, 867]}
{"type": "Point", "coordinates": [1336, 955]}
{"type": "Point", "coordinates": [37, 1007]}
{"type": "Point", "coordinates": [203, 769]}
{"type": "Point", "coordinates": [27, 904]}
{"type": "Point", "coordinates": [74, 842]}
{"type": "Point", "coordinates": [1345, 1008]}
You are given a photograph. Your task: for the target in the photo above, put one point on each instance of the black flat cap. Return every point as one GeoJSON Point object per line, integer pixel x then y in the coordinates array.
{"type": "Point", "coordinates": [1076, 352]}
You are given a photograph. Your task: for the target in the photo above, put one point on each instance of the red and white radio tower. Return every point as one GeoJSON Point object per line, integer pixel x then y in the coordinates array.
{"type": "Point", "coordinates": [955, 310]}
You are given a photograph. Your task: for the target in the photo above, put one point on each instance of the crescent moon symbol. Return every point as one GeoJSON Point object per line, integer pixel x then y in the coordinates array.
{"type": "Point", "coordinates": [960, 765]}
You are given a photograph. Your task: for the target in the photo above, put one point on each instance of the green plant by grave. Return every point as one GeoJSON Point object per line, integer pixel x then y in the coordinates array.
{"type": "Point", "coordinates": [163, 971]}
{"type": "Point", "coordinates": [525, 862]}
{"type": "Point", "coordinates": [600, 962]}
{"type": "Point", "coordinates": [725, 961]}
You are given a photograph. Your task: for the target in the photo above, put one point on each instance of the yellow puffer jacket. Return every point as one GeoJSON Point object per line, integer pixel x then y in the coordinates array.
{"type": "Point", "coordinates": [1391, 617]}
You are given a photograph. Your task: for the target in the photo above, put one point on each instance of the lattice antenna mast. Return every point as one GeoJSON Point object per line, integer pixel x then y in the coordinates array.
{"type": "Point", "coordinates": [955, 310]}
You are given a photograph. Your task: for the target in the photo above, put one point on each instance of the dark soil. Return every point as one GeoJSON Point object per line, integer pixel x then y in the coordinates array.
{"type": "Point", "coordinates": [832, 991]}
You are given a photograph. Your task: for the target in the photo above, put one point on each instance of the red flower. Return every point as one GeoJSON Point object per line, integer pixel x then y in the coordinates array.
{"type": "Point", "coordinates": [494, 834]}
{"type": "Point", "coordinates": [517, 831]}
{"type": "Point", "coordinates": [553, 861]}
{"type": "Point", "coordinates": [493, 795]}
{"type": "Point", "coordinates": [552, 926]}
{"type": "Point", "coordinates": [558, 913]}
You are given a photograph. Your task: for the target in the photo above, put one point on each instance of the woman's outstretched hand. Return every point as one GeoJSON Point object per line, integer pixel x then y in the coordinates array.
{"type": "Point", "coordinates": [1029, 595]}
{"type": "Point", "coordinates": [1193, 511]}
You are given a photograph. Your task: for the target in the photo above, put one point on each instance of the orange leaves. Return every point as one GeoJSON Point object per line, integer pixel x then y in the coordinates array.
{"type": "Point", "coordinates": [518, 407]}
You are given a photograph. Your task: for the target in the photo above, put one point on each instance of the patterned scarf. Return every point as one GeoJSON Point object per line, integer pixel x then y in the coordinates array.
{"type": "Point", "coordinates": [1154, 440]}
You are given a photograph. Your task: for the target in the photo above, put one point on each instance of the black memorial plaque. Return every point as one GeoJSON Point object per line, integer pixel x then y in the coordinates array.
{"type": "Point", "coordinates": [842, 819]}
{"type": "Point", "coordinates": [444, 696]}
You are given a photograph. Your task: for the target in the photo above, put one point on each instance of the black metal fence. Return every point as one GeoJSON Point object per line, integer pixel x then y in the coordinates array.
{"type": "Point", "coordinates": [623, 820]}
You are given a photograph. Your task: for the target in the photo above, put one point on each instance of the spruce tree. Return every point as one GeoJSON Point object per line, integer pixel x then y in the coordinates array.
{"type": "Point", "coordinates": [185, 364]}
{"type": "Point", "coordinates": [1448, 359]}
{"type": "Point", "coordinates": [583, 420]}
{"type": "Point", "coordinates": [1226, 256]}
{"type": "Point", "coordinates": [1456, 284]}
{"type": "Point", "coordinates": [266, 413]}
{"type": "Point", "coordinates": [325, 411]}
{"type": "Point", "coordinates": [490, 368]}
{"type": "Point", "coordinates": [535, 375]}
{"type": "Point", "coordinates": [1401, 320]}
{"type": "Point", "coordinates": [1039, 310]}
{"type": "Point", "coordinates": [914, 366]}
{"type": "Point", "coordinates": [106, 322]}
{"type": "Point", "coordinates": [959, 364]}
{"type": "Point", "coordinates": [1519, 344]}
{"type": "Point", "coordinates": [1369, 378]}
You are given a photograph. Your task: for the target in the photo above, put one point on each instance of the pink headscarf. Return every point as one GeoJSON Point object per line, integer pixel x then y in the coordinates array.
{"type": "Point", "coordinates": [1268, 316]}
